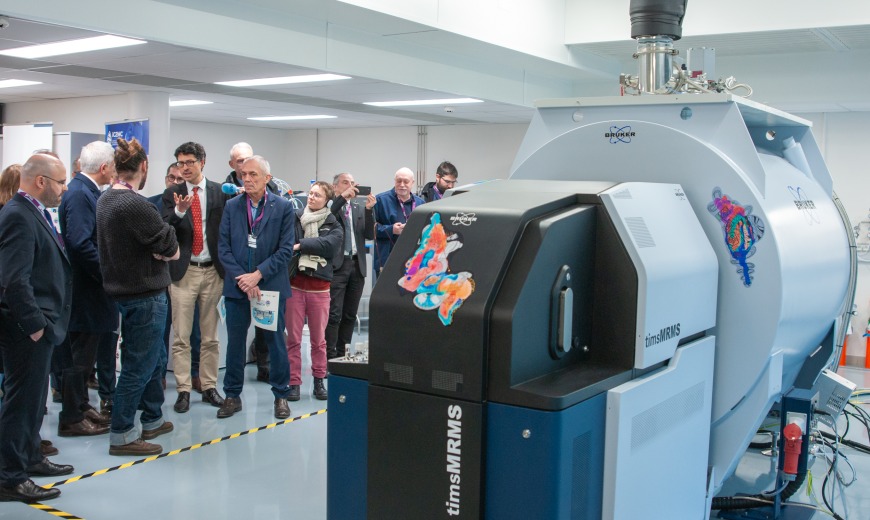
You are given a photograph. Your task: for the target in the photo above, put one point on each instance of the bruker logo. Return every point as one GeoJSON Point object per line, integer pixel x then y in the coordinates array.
{"type": "Point", "coordinates": [619, 134]}
{"type": "Point", "coordinates": [463, 218]}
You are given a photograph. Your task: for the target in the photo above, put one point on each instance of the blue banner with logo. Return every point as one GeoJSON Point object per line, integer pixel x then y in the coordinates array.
{"type": "Point", "coordinates": [128, 130]}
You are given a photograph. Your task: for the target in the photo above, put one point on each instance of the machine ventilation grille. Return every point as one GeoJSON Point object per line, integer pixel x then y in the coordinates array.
{"type": "Point", "coordinates": [400, 373]}
{"type": "Point", "coordinates": [580, 472]}
{"type": "Point", "coordinates": [623, 194]}
{"type": "Point", "coordinates": [449, 381]}
{"type": "Point", "coordinates": [639, 231]}
{"type": "Point", "coordinates": [666, 416]}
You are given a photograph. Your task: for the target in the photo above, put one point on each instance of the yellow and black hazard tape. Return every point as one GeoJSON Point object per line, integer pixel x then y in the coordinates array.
{"type": "Point", "coordinates": [183, 450]}
{"type": "Point", "coordinates": [56, 512]}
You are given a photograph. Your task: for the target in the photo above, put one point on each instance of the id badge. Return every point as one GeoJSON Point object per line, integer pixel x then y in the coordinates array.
{"type": "Point", "coordinates": [252, 241]}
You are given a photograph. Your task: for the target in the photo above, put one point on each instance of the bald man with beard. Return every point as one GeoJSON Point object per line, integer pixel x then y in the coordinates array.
{"type": "Point", "coordinates": [35, 303]}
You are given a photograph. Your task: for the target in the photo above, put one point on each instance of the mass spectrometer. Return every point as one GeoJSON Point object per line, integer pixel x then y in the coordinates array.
{"type": "Point", "coordinates": [601, 335]}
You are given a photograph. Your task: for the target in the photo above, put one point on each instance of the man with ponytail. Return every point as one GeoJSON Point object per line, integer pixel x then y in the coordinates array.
{"type": "Point", "coordinates": [138, 245]}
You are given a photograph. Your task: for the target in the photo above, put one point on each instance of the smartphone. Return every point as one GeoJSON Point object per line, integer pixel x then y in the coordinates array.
{"type": "Point", "coordinates": [363, 190]}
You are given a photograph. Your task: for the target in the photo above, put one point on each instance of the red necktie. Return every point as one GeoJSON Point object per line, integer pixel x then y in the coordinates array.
{"type": "Point", "coordinates": [196, 209]}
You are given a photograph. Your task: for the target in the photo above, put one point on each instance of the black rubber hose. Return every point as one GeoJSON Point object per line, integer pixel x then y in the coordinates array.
{"type": "Point", "coordinates": [752, 501]}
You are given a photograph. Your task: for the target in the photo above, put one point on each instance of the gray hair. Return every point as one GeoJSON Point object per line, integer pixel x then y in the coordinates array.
{"type": "Point", "coordinates": [96, 154]}
{"type": "Point", "coordinates": [239, 146]}
{"type": "Point", "coordinates": [336, 177]}
{"type": "Point", "coordinates": [262, 163]}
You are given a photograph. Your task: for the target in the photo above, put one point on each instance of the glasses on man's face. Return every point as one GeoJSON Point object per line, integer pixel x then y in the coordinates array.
{"type": "Point", "coordinates": [63, 182]}
{"type": "Point", "coordinates": [174, 179]}
{"type": "Point", "coordinates": [188, 163]}
{"type": "Point", "coordinates": [448, 182]}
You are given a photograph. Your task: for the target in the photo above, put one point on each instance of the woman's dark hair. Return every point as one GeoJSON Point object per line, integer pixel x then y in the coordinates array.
{"type": "Point", "coordinates": [129, 155]}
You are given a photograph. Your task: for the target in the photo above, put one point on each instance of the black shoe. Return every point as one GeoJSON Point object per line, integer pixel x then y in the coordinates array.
{"type": "Point", "coordinates": [263, 374]}
{"type": "Point", "coordinates": [282, 409]}
{"type": "Point", "coordinates": [231, 405]}
{"type": "Point", "coordinates": [166, 427]}
{"type": "Point", "coordinates": [27, 492]}
{"type": "Point", "coordinates": [319, 390]}
{"type": "Point", "coordinates": [212, 397]}
{"type": "Point", "coordinates": [182, 404]}
{"type": "Point", "coordinates": [294, 393]}
{"type": "Point", "coordinates": [47, 468]}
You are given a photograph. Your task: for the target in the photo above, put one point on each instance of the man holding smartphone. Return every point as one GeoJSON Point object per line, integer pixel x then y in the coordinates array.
{"type": "Point", "coordinates": [349, 269]}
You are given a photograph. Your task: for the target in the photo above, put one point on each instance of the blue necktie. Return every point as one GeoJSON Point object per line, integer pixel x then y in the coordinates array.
{"type": "Point", "coordinates": [53, 229]}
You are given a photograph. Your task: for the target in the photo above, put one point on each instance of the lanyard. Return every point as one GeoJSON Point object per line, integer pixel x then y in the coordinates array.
{"type": "Point", "coordinates": [402, 206]}
{"type": "Point", "coordinates": [437, 191]}
{"type": "Point", "coordinates": [252, 223]}
{"type": "Point", "coordinates": [38, 205]}
{"type": "Point", "coordinates": [126, 185]}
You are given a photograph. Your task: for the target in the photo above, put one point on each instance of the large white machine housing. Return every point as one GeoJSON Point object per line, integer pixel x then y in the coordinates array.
{"type": "Point", "coordinates": [780, 242]}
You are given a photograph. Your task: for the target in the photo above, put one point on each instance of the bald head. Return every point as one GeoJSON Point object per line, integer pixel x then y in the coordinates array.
{"type": "Point", "coordinates": [404, 182]}
{"type": "Point", "coordinates": [44, 177]}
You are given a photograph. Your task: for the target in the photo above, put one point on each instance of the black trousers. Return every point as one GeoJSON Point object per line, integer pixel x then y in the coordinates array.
{"type": "Point", "coordinates": [26, 364]}
{"type": "Point", "coordinates": [96, 347]}
{"type": "Point", "coordinates": [345, 292]}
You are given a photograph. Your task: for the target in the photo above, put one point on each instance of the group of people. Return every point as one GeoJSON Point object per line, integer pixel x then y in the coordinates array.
{"type": "Point", "coordinates": [120, 258]}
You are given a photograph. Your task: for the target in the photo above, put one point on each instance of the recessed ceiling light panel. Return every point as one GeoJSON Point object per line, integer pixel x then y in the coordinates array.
{"type": "Point", "coordinates": [189, 102]}
{"type": "Point", "coordinates": [286, 80]}
{"type": "Point", "coordinates": [423, 102]}
{"type": "Point", "coordinates": [96, 43]}
{"type": "Point", "coordinates": [289, 118]}
{"type": "Point", "coordinates": [9, 83]}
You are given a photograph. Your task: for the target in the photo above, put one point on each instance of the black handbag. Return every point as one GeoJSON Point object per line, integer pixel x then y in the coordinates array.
{"type": "Point", "coordinates": [293, 266]}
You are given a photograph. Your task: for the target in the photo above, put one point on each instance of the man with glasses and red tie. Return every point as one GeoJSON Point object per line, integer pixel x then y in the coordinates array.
{"type": "Point", "coordinates": [35, 303]}
{"type": "Point", "coordinates": [194, 208]}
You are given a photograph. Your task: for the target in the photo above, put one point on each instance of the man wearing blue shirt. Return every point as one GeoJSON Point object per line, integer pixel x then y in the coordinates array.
{"type": "Point", "coordinates": [392, 210]}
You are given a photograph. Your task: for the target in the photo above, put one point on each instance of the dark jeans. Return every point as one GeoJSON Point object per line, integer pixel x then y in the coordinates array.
{"type": "Point", "coordinates": [143, 359]}
{"type": "Point", "coordinates": [238, 323]}
{"type": "Point", "coordinates": [345, 292]}
{"type": "Point", "coordinates": [26, 366]}
{"type": "Point", "coordinates": [195, 339]}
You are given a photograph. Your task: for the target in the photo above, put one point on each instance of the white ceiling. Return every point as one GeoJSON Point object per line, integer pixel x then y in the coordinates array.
{"type": "Point", "coordinates": [799, 70]}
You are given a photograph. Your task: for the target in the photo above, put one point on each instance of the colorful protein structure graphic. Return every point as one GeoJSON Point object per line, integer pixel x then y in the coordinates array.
{"type": "Point", "coordinates": [426, 273]}
{"type": "Point", "coordinates": [742, 231]}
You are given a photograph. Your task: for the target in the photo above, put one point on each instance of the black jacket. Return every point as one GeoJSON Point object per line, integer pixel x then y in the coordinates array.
{"type": "Point", "coordinates": [428, 193]}
{"type": "Point", "coordinates": [327, 245]}
{"type": "Point", "coordinates": [363, 227]}
{"type": "Point", "coordinates": [215, 202]}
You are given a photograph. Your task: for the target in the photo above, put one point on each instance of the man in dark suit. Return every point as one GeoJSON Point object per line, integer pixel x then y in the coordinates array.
{"type": "Point", "coordinates": [194, 208]}
{"type": "Point", "coordinates": [94, 317]}
{"type": "Point", "coordinates": [257, 235]}
{"type": "Point", "coordinates": [349, 270]}
{"type": "Point", "coordinates": [35, 300]}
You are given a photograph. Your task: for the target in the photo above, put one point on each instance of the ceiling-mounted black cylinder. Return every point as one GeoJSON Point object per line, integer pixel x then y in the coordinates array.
{"type": "Point", "coordinates": [657, 18]}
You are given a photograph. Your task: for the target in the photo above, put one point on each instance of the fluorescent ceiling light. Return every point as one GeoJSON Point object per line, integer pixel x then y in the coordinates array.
{"type": "Point", "coordinates": [189, 103]}
{"type": "Point", "coordinates": [286, 80]}
{"type": "Point", "coordinates": [96, 43]}
{"type": "Point", "coordinates": [289, 118]}
{"type": "Point", "coordinates": [8, 83]}
{"type": "Point", "coordinates": [423, 102]}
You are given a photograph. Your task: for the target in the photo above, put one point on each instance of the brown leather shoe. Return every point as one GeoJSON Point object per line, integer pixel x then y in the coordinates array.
{"type": "Point", "coordinates": [282, 409]}
{"type": "Point", "coordinates": [136, 448]}
{"type": "Point", "coordinates": [97, 418]}
{"type": "Point", "coordinates": [80, 429]}
{"type": "Point", "coordinates": [166, 427]}
{"type": "Point", "coordinates": [212, 397]}
{"type": "Point", "coordinates": [47, 448]}
{"type": "Point", "coordinates": [197, 384]}
{"type": "Point", "coordinates": [231, 406]}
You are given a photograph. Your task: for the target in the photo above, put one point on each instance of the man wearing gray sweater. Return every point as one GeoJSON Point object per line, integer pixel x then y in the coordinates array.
{"type": "Point", "coordinates": [135, 245]}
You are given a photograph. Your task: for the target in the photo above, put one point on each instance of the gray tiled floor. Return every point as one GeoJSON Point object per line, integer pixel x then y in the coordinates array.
{"type": "Point", "coordinates": [273, 473]}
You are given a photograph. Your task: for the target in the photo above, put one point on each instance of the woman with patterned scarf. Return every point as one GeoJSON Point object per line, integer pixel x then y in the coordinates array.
{"type": "Point", "coordinates": [319, 247]}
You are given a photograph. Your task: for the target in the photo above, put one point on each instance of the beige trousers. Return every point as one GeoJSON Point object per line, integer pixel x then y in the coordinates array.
{"type": "Point", "coordinates": [200, 285]}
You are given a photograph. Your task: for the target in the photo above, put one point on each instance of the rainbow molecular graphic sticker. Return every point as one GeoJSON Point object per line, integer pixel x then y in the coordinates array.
{"type": "Point", "coordinates": [427, 273]}
{"type": "Point", "coordinates": [742, 231]}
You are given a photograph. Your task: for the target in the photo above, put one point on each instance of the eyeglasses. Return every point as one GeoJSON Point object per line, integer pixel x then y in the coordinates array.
{"type": "Point", "coordinates": [449, 182]}
{"type": "Point", "coordinates": [174, 179]}
{"type": "Point", "coordinates": [188, 163]}
{"type": "Point", "coordinates": [62, 183]}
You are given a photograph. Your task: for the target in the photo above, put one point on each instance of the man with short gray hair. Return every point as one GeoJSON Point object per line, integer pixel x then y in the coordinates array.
{"type": "Point", "coordinates": [94, 317]}
{"type": "Point", "coordinates": [392, 210]}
